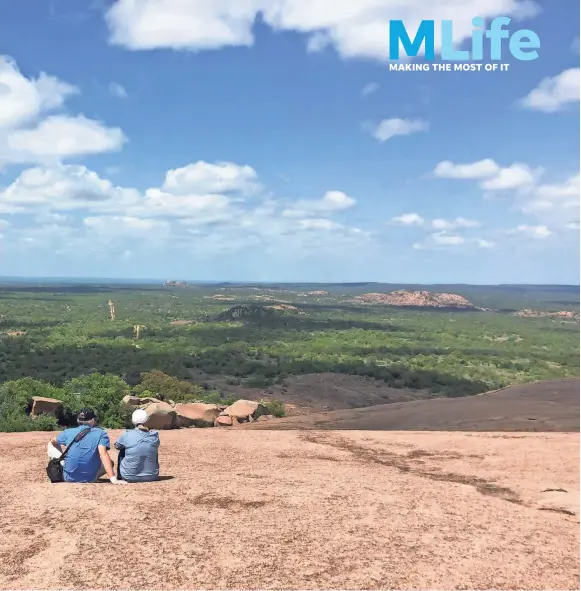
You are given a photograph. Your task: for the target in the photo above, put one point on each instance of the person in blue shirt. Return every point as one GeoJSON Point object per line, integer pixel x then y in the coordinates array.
{"type": "Point", "coordinates": [88, 459]}
{"type": "Point", "coordinates": [138, 451]}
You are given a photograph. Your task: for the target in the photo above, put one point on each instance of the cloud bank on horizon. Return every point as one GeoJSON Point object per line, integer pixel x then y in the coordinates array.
{"type": "Point", "coordinates": [267, 140]}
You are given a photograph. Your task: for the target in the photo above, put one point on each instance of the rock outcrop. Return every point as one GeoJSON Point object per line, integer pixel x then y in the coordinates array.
{"type": "Point", "coordinates": [285, 308]}
{"type": "Point", "coordinates": [196, 414]}
{"type": "Point", "coordinates": [562, 315]}
{"type": "Point", "coordinates": [246, 410]}
{"type": "Point", "coordinates": [149, 400]}
{"type": "Point", "coordinates": [132, 401]}
{"type": "Point", "coordinates": [416, 299]}
{"type": "Point", "coordinates": [161, 416]}
{"type": "Point", "coordinates": [225, 421]}
{"type": "Point", "coordinates": [171, 415]}
{"type": "Point", "coordinates": [45, 406]}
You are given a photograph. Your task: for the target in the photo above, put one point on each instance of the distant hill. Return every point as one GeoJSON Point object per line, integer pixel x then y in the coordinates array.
{"type": "Point", "coordinates": [245, 312]}
{"type": "Point", "coordinates": [254, 312]}
{"type": "Point", "coordinates": [539, 406]}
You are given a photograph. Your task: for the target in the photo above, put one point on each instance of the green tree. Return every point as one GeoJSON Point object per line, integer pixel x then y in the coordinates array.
{"type": "Point", "coordinates": [102, 393]}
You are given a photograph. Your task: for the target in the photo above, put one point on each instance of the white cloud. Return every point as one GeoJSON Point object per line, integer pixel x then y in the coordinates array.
{"type": "Point", "coordinates": [491, 175]}
{"type": "Point", "coordinates": [537, 232]}
{"type": "Point", "coordinates": [439, 240]}
{"type": "Point", "coordinates": [556, 204]}
{"type": "Point", "coordinates": [60, 136]}
{"type": "Point", "coordinates": [318, 41]}
{"type": "Point", "coordinates": [354, 29]}
{"type": "Point", "coordinates": [459, 222]}
{"type": "Point", "coordinates": [29, 135]}
{"type": "Point", "coordinates": [572, 226]}
{"type": "Point", "coordinates": [117, 90]}
{"type": "Point", "coordinates": [203, 177]}
{"type": "Point", "coordinates": [476, 170]}
{"type": "Point", "coordinates": [63, 187]}
{"type": "Point", "coordinates": [203, 208]}
{"type": "Point", "coordinates": [553, 94]}
{"type": "Point", "coordinates": [408, 219]}
{"type": "Point", "coordinates": [485, 243]}
{"type": "Point", "coordinates": [319, 224]}
{"type": "Point", "coordinates": [23, 99]}
{"type": "Point", "coordinates": [564, 191]}
{"type": "Point", "coordinates": [512, 177]}
{"type": "Point", "coordinates": [414, 219]}
{"type": "Point", "coordinates": [370, 89]}
{"type": "Point", "coordinates": [443, 239]}
{"type": "Point", "coordinates": [390, 128]}
{"type": "Point", "coordinates": [331, 201]}
{"type": "Point", "coordinates": [125, 225]}
{"type": "Point", "coordinates": [209, 223]}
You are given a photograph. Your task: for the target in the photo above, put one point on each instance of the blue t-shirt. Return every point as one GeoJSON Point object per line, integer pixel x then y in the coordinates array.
{"type": "Point", "coordinates": [140, 463]}
{"type": "Point", "coordinates": [82, 462]}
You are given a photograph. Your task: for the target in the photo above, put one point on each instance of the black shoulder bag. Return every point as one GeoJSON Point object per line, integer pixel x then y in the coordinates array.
{"type": "Point", "coordinates": [54, 470]}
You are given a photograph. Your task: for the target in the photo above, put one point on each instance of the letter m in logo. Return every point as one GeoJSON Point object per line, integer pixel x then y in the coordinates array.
{"type": "Point", "coordinates": [425, 34]}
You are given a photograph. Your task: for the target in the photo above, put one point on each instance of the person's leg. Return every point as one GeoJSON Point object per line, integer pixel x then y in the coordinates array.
{"type": "Point", "coordinates": [102, 471]}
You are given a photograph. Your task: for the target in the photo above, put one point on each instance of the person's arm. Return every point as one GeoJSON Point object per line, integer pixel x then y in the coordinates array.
{"type": "Point", "coordinates": [107, 463]}
{"type": "Point", "coordinates": [59, 441]}
{"type": "Point", "coordinates": [121, 441]}
{"type": "Point", "coordinates": [104, 446]}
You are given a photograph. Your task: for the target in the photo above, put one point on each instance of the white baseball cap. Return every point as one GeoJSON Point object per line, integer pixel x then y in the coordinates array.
{"type": "Point", "coordinates": [139, 416]}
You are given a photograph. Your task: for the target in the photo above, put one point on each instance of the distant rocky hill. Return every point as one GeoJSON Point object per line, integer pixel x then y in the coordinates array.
{"type": "Point", "coordinates": [416, 299]}
{"type": "Point", "coordinates": [255, 312]}
{"type": "Point", "coordinates": [172, 283]}
{"type": "Point", "coordinates": [563, 315]}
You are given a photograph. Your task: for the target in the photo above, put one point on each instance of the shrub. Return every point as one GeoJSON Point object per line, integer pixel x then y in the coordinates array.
{"type": "Point", "coordinates": [216, 397]}
{"type": "Point", "coordinates": [21, 391]}
{"type": "Point", "coordinates": [13, 418]}
{"type": "Point", "coordinates": [276, 408]}
{"type": "Point", "coordinates": [166, 387]}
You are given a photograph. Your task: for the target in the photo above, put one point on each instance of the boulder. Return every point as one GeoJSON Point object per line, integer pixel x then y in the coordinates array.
{"type": "Point", "coordinates": [244, 409]}
{"type": "Point", "coordinates": [45, 406]}
{"type": "Point", "coordinates": [196, 414]}
{"type": "Point", "coordinates": [132, 401]}
{"type": "Point", "coordinates": [161, 416]}
{"type": "Point", "coordinates": [223, 421]}
{"type": "Point", "coordinates": [149, 400]}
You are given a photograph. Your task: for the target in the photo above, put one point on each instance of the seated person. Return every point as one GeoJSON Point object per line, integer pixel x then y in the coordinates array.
{"type": "Point", "coordinates": [88, 459]}
{"type": "Point", "coordinates": [138, 451]}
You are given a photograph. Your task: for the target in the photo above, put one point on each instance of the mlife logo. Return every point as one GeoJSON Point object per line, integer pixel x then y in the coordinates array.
{"type": "Point", "coordinates": [487, 43]}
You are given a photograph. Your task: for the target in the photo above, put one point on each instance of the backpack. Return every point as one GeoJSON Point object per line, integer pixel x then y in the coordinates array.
{"type": "Point", "coordinates": [54, 470]}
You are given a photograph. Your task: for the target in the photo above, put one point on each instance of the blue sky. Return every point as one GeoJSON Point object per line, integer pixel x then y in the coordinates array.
{"type": "Point", "coordinates": [268, 140]}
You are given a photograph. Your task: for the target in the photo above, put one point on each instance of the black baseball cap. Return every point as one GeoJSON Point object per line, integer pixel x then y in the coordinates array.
{"type": "Point", "coordinates": [86, 414]}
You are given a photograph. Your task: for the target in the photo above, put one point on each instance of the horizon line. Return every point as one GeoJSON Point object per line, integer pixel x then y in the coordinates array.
{"type": "Point", "coordinates": [147, 280]}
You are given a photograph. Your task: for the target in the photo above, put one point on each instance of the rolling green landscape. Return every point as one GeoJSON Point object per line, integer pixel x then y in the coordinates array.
{"type": "Point", "coordinates": [215, 340]}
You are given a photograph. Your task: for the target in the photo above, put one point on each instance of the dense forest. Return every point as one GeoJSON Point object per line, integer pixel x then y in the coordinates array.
{"type": "Point", "coordinates": [57, 333]}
